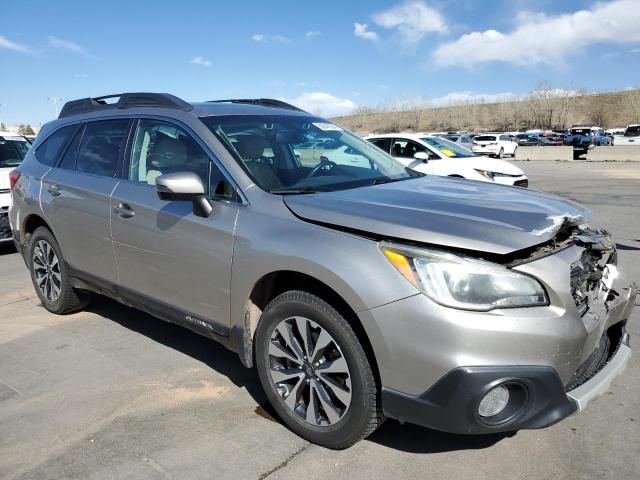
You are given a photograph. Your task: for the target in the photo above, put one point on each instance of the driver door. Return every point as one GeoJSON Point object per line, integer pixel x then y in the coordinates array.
{"type": "Point", "coordinates": [164, 252]}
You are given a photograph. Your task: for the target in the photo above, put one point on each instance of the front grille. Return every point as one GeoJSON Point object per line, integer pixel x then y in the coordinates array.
{"type": "Point", "coordinates": [5, 228]}
{"type": "Point", "coordinates": [521, 183]}
{"type": "Point", "coordinates": [607, 347]}
{"type": "Point", "coordinates": [586, 277]}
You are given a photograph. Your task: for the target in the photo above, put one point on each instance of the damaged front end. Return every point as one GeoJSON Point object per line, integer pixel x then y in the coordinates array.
{"type": "Point", "coordinates": [602, 303]}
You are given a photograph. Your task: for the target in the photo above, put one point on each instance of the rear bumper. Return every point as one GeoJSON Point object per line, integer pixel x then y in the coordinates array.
{"type": "Point", "coordinates": [451, 404]}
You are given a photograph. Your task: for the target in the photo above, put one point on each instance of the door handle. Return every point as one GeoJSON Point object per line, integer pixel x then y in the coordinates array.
{"type": "Point", "coordinates": [54, 190]}
{"type": "Point", "coordinates": [123, 210]}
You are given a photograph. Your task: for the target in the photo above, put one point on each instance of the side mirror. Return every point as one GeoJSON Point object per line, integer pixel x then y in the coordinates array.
{"type": "Point", "coordinates": [424, 156]}
{"type": "Point", "coordinates": [184, 186]}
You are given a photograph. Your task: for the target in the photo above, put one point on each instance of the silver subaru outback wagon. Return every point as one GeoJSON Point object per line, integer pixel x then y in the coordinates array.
{"type": "Point", "coordinates": [358, 289]}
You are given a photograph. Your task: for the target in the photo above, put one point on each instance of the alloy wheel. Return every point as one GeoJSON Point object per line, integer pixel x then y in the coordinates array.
{"type": "Point", "coordinates": [309, 371]}
{"type": "Point", "coordinates": [46, 268]}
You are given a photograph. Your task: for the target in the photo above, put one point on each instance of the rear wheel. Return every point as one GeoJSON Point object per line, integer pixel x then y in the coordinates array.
{"type": "Point", "coordinates": [515, 150]}
{"type": "Point", "coordinates": [50, 276]}
{"type": "Point", "coordinates": [315, 372]}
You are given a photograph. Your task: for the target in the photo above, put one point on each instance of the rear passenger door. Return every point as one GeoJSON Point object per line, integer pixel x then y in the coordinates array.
{"type": "Point", "coordinates": [166, 255]}
{"type": "Point", "coordinates": [76, 195]}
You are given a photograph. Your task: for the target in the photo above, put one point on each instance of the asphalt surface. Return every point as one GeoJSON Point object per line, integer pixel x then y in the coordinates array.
{"type": "Point", "coordinates": [114, 393]}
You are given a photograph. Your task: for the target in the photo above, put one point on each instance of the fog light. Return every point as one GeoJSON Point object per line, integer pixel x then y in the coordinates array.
{"type": "Point", "coordinates": [494, 402]}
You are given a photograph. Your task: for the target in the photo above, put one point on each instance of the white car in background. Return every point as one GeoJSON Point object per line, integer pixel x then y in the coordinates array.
{"type": "Point", "coordinates": [439, 156]}
{"type": "Point", "coordinates": [494, 144]}
{"type": "Point", "coordinates": [13, 148]}
{"type": "Point", "coordinates": [465, 140]}
{"type": "Point", "coordinates": [631, 136]}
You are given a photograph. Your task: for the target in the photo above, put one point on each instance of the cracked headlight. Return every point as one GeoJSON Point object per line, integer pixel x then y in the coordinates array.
{"type": "Point", "coordinates": [462, 282]}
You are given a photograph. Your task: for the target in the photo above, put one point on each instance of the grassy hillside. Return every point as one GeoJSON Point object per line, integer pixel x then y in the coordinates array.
{"type": "Point", "coordinates": [612, 109]}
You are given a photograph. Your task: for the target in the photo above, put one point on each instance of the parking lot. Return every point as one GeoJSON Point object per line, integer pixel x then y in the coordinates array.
{"type": "Point", "coordinates": [114, 393]}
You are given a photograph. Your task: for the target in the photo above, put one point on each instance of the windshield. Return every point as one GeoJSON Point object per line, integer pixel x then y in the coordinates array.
{"type": "Point", "coordinates": [12, 151]}
{"type": "Point", "coordinates": [632, 131]}
{"type": "Point", "coordinates": [302, 154]}
{"type": "Point", "coordinates": [447, 147]}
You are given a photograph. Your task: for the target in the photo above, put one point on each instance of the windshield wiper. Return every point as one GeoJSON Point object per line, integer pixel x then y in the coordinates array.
{"type": "Point", "coordinates": [298, 190]}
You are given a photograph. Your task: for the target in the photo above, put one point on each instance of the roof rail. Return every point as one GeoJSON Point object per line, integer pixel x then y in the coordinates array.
{"type": "Point", "coordinates": [125, 100]}
{"type": "Point", "coordinates": [264, 102]}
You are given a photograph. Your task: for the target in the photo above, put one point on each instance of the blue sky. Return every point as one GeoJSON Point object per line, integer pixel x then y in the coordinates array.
{"type": "Point", "coordinates": [325, 56]}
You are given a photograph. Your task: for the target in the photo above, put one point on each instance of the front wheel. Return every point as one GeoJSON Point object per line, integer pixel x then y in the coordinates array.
{"type": "Point", "coordinates": [501, 153]}
{"type": "Point", "coordinates": [315, 372]}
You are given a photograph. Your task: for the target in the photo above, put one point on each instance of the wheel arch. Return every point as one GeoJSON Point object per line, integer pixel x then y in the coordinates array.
{"type": "Point", "coordinates": [271, 285]}
{"type": "Point", "coordinates": [29, 225]}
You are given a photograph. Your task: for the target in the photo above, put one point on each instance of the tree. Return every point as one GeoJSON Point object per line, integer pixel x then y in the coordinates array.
{"type": "Point", "coordinates": [25, 130]}
{"type": "Point", "coordinates": [633, 106]}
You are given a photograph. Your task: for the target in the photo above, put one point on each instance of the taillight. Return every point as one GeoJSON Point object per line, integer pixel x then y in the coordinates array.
{"type": "Point", "coordinates": [14, 176]}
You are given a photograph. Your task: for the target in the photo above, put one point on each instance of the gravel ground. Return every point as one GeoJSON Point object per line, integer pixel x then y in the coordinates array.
{"type": "Point", "coordinates": [113, 393]}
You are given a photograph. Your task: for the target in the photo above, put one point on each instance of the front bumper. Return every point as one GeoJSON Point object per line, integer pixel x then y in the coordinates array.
{"type": "Point", "coordinates": [516, 181]}
{"type": "Point", "coordinates": [419, 343]}
{"type": "Point", "coordinates": [451, 405]}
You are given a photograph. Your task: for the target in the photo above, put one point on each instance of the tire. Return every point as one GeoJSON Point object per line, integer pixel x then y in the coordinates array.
{"type": "Point", "coordinates": [515, 150]}
{"type": "Point", "coordinates": [336, 424]}
{"type": "Point", "coordinates": [50, 276]}
{"type": "Point", "coordinates": [501, 153]}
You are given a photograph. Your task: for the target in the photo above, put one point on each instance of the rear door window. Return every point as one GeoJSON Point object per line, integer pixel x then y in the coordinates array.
{"type": "Point", "coordinates": [383, 144]}
{"type": "Point", "coordinates": [69, 159]}
{"type": "Point", "coordinates": [101, 147]}
{"type": "Point", "coordinates": [49, 150]}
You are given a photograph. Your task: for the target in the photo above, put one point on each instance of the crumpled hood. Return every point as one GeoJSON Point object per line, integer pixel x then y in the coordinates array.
{"type": "Point", "coordinates": [444, 211]}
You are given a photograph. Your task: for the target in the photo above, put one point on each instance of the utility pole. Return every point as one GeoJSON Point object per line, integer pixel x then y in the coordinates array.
{"type": "Point", "coordinates": [55, 101]}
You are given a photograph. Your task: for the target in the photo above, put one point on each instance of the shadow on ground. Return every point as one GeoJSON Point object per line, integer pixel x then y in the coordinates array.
{"type": "Point", "coordinates": [414, 439]}
{"type": "Point", "coordinates": [7, 248]}
{"type": "Point", "coordinates": [408, 438]}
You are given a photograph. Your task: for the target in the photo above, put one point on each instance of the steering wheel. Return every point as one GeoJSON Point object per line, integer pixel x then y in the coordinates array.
{"type": "Point", "coordinates": [324, 163]}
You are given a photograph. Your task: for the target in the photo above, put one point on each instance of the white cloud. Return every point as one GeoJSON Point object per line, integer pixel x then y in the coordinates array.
{"type": "Point", "coordinates": [9, 45]}
{"type": "Point", "coordinates": [361, 30]}
{"type": "Point", "coordinates": [201, 61]}
{"type": "Point", "coordinates": [311, 34]}
{"type": "Point", "coordinates": [634, 50]}
{"type": "Point", "coordinates": [412, 20]}
{"type": "Point", "coordinates": [67, 45]}
{"type": "Point", "coordinates": [322, 103]}
{"type": "Point", "coordinates": [261, 37]}
{"type": "Point", "coordinates": [540, 38]}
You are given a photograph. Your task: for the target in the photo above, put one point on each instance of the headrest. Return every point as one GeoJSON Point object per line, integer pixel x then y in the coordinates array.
{"type": "Point", "coordinates": [250, 147]}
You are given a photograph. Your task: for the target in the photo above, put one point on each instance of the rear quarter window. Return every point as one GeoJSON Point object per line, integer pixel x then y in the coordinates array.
{"type": "Point", "coordinates": [49, 150]}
